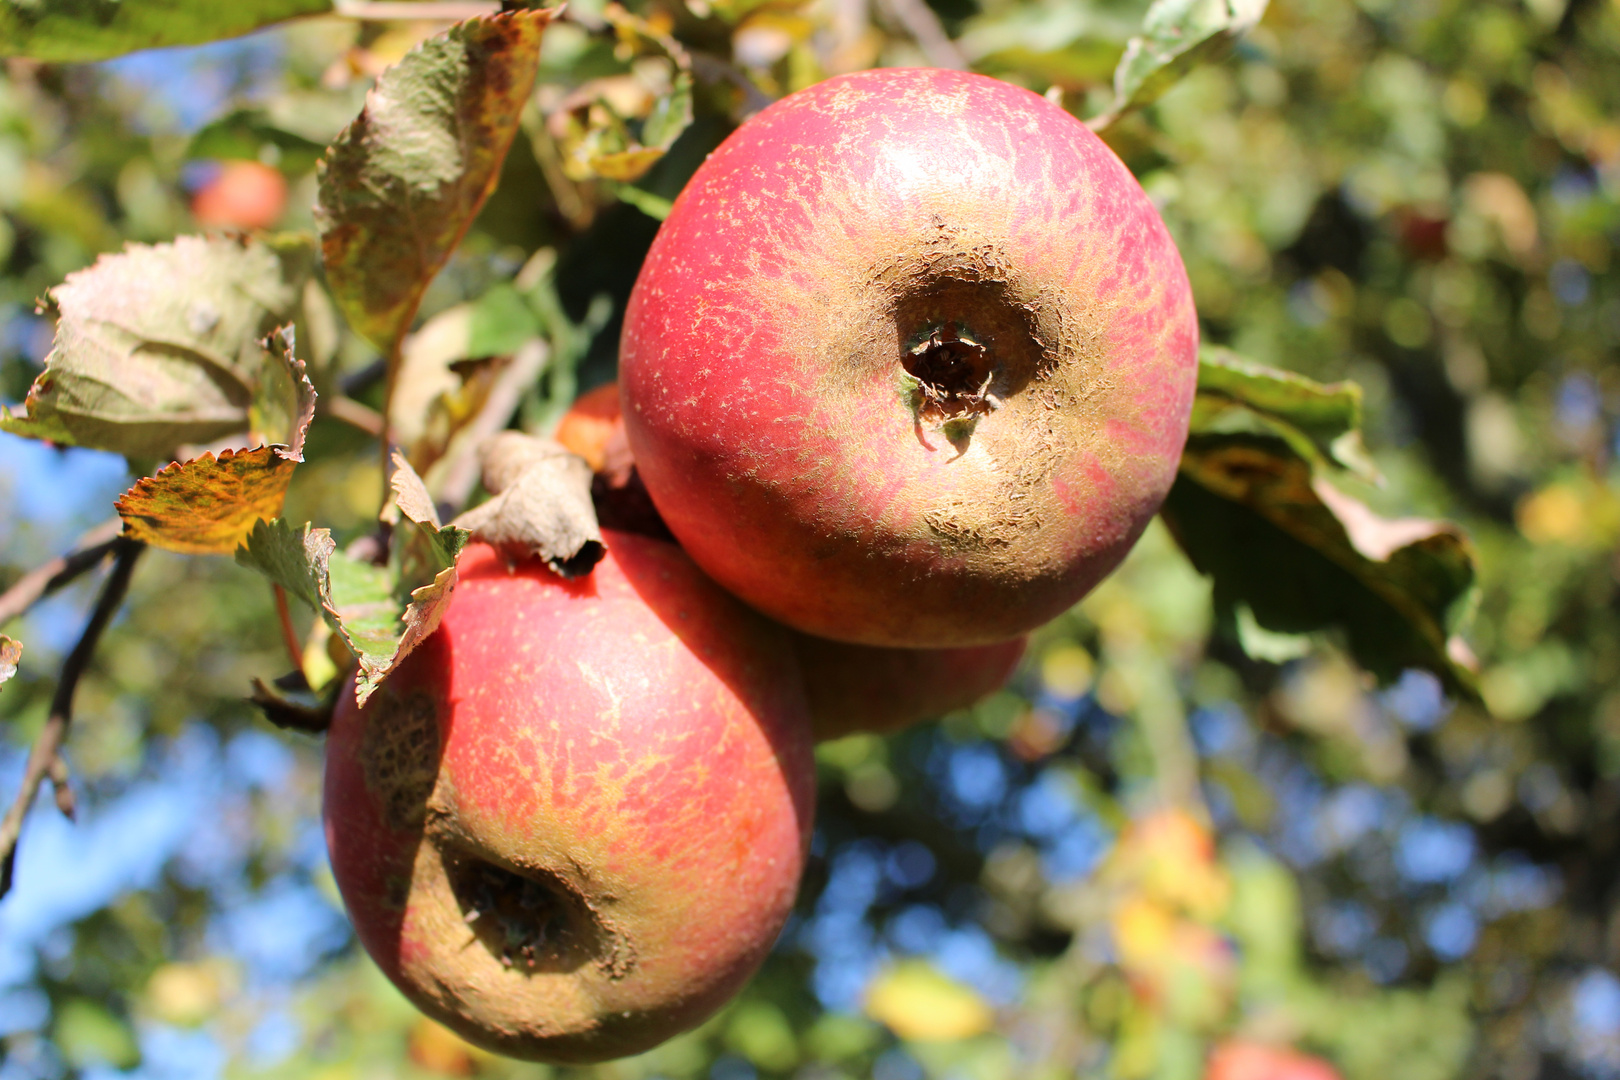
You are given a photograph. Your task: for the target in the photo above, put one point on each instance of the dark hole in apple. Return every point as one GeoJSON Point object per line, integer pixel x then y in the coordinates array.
{"type": "Point", "coordinates": [969, 344]}
{"type": "Point", "coordinates": [954, 374]}
{"type": "Point", "coordinates": [529, 921]}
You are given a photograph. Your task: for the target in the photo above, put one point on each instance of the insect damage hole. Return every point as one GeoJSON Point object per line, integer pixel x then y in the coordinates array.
{"type": "Point", "coordinates": [953, 374]}
{"type": "Point", "coordinates": [530, 922]}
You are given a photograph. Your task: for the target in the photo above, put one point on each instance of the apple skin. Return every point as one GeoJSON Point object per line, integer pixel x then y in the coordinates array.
{"type": "Point", "coordinates": [842, 234]}
{"type": "Point", "coordinates": [242, 195]}
{"type": "Point", "coordinates": [634, 744]}
{"type": "Point", "coordinates": [851, 687]}
{"type": "Point", "coordinates": [880, 690]}
{"type": "Point", "coordinates": [1240, 1060]}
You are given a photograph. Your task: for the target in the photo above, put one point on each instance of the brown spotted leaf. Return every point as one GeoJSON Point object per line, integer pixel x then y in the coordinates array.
{"type": "Point", "coordinates": [10, 655]}
{"type": "Point", "coordinates": [541, 505]}
{"type": "Point", "coordinates": [207, 506]}
{"type": "Point", "coordinates": [1303, 556]}
{"type": "Point", "coordinates": [403, 182]}
{"type": "Point", "coordinates": [162, 346]}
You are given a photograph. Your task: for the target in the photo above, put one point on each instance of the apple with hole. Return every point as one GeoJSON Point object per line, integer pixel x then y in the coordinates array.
{"type": "Point", "coordinates": [571, 824]}
{"type": "Point", "coordinates": [911, 361]}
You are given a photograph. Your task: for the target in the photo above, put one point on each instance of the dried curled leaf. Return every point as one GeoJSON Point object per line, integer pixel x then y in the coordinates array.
{"type": "Point", "coordinates": [1303, 556]}
{"type": "Point", "coordinates": [66, 31]}
{"type": "Point", "coordinates": [1177, 35]}
{"type": "Point", "coordinates": [284, 405]}
{"type": "Point", "coordinates": [541, 506]}
{"type": "Point", "coordinates": [161, 346]}
{"type": "Point", "coordinates": [403, 182]}
{"type": "Point", "coordinates": [10, 656]}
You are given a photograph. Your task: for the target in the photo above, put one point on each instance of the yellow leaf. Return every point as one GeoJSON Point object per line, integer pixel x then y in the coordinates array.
{"type": "Point", "coordinates": [919, 1003]}
{"type": "Point", "coordinates": [208, 505]}
{"type": "Point", "coordinates": [1170, 855]}
{"type": "Point", "coordinates": [1143, 932]}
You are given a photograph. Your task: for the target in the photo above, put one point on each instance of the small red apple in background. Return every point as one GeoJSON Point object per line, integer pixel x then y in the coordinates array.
{"type": "Point", "coordinates": [1238, 1060]}
{"type": "Point", "coordinates": [869, 688]}
{"type": "Point", "coordinates": [572, 823]}
{"type": "Point", "coordinates": [593, 426]}
{"type": "Point", "coordinates": [851, 687]}
{"type": "Point", "coordinates": [911, 361]}
{"type": "Point", "coordinates": [244, 195]}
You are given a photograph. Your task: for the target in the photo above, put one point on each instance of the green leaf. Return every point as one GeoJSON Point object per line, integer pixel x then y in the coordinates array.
{"type": "Point", "coordinates": [501, 323]}
{"type": "Point", "coordinates": [1177, 35]}
{"type": "Point", "coordinates": [160, 346]}
{"type": "Point", "coordinates": [654, 206]}
{"type": "Point", "coordinates": [424, 550]}
{"type": "Point", "coordinates": [10, 655]}
{"type": "Point", "coordinates": [244, 133]}
{"type": "Point", "coordinates": [1319, 421]}
{"type": "Point", "coordinates": [380, 612]}
{"type": "Point", "coordinates": [1251, 513]}
{"type": "Point", "coordinates": [73, 30]}
{"type": "Point", "coordinates": [87, 1035]}
{"type": "Point", "coordinates": [291, 558]}
{"type": "Point", "coordinates": [671, 114]}
{"type": "Point", "coordinates": [354, 597]}
{"type": "Point", "coordinates": [403, 182]}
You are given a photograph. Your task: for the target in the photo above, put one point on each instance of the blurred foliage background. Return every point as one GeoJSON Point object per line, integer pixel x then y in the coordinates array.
{"type": "Point", "coordinates": [1169, 841]}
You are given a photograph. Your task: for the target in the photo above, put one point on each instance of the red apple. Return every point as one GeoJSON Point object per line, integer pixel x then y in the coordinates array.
{"type": "Point", "coordinates": [911, 361]}
{"type": "Point", "coordinates": [572, 823]}
{"type": "Point", "coordinates": [1238, 1060]}
{"type": "Point", "coordinates": [851, 687]}
{"type": "Point", "coordinates": [242, 195]}
{"type": "Point", "coordinates": [593, 427]}
{"type": "Point", "coordinates": [869, 688]}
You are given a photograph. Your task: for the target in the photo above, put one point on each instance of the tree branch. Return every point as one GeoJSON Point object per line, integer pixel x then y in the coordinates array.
{"type": "Point", "coordinates": [46, 579]}
{"type": "Point", "coordinates": [355, 414]}
{"type": "Point", "coordinates": [44, 759]}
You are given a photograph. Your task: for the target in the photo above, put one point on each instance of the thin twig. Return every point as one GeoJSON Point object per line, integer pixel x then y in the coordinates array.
{"type": "Point", "coordinates": [924, 26]}
{"type": "Point", "coordinates": [714, 69]}
{"type": "Point", "coordinates": [289, 636]}
{"type": "Point", "coordinates": [410, 11]}
{"type": "Point", "coordinates": [45, 760]}
{"type": "Point", "coordinates": [47, 578]}
{"type": "Point", "coordinates": [355, 414]}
